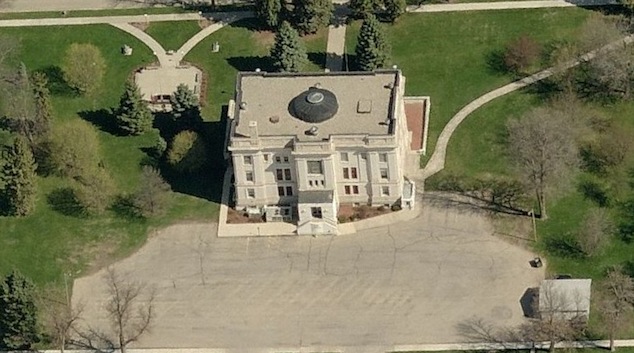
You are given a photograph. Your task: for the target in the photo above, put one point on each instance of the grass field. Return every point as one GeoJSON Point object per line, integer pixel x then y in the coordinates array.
{"type": "Point", "coordinates": [448, 56]}
{"type": "Point", "coordinates": [49, 242]}
{"type": "Point", "coordinates": [242, 49]}
{"type": "Point", "coordinates": [172, 34]}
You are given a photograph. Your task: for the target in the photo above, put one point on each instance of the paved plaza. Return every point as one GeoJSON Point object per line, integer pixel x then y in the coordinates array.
{"type": "Point", "coordinates": [409, 283]}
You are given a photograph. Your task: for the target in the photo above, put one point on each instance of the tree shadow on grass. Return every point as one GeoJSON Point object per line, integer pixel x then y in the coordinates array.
{"type": "Point", "coordinates": [123, 206]}
{"type": "Point", "coordinates": [318, 59]}
{"type": "Point", "coordinates": [56, 83]}
{"type": "Point", "coordinates": [251, 63]}
{"type": "Point", "coordinates": [495, 62]}
{"type": "Point", "coordinates": [63, 200]}
{"type": "Point", "coordinates": [104, 119]}
{"type": "Point", "coordinates": [564, 246]}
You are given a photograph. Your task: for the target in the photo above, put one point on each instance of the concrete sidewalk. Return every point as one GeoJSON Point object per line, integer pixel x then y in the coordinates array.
{"type": "Point", "coordinates": [65, 5]}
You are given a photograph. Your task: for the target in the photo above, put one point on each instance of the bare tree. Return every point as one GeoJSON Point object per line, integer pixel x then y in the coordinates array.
{"type": "Point", "coordinates": [615, 303]}
{"type": "Point", "coordinates": [129, 307]}
{"type": "Point", "coordinates": [558, 318]}
{"type": "Point", "coordinates": [544, 149]}
{"type": "Point", "coordinates": [595, 231]}
{"type": "Point", "coordinates": [19, 107]}
{"type": "Point", "coordinates": [61, 319]}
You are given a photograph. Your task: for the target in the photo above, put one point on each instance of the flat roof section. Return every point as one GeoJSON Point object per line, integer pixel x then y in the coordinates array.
{"type": "Point", "coordinates": [364, 103]}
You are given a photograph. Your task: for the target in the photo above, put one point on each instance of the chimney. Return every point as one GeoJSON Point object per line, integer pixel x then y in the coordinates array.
{"type": "Point", "coordinates": [253, 129]}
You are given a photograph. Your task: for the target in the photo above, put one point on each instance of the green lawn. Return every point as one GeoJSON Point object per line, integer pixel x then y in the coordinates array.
{"type": "Point", "coordinates": [448, 55]}
{"type": "Point", "coordinates": [242, 49]}
{"type": "Point", "coordinates": [93, 13]}
{"type": "Point", "coordinates": [48, 242]}
{"type": "Point", "coordinates": [173, 34]}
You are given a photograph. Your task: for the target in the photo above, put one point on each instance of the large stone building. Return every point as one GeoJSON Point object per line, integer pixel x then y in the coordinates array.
{"type": "Point", "coordinates": [303, 144]}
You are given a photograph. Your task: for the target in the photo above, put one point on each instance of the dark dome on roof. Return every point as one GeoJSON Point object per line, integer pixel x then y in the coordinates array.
{"type": "Point", "coordinates": [315, 105]}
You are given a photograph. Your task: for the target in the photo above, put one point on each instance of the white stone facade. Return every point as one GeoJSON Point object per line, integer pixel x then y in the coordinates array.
{"type": "Point", "coordinates": [303, 170]}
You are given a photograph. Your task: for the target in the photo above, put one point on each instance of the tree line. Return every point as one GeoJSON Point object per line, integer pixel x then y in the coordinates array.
{"type": "Point", "coordinates": [40, 145]}
{"type": "Point", "coordinates": [290, 20]}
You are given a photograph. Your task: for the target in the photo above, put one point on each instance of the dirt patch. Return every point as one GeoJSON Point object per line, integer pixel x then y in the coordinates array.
{"type": "Point", "coordinates": [350, 213]}
{"type": "Point", "coordinates": [204, 23]}
{"type": "Point", "coordinates": [141, 25]}
{"type": "Point", "coordinates": [96, 255]}
{"type": "Point", "coordinates": [234, 216]}
{"type": "Point", "coordinates": [264, 38]}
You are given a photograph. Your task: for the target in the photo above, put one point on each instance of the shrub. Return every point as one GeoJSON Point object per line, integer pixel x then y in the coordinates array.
{"type": "Point", "coordinates": [74, 148]}
{"type": "Point", "coordinates": [94, 191]}
{"type": "Point", "coordinates": [521, 53]}
{"type": "Point", "coordinates": [151, 197]}
{"type": "Point", "coordinates": [84, 67]}
{"type": "Point", "coordinates": [595, 231]}
{"type": "Point", "coordinates": [188, 152]}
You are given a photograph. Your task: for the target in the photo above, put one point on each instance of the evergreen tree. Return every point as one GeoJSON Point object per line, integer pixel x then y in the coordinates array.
{"type": "Point", "coordinates": [372, 48]}
{"type": "Point", "coordinates": [362, 8]}
{"type": "Point", "coordinates": [18, 176]}
{"type": "Point", "coordinates": [394, 9]}
{"type": "Point", "coordinates": [43, 108]}
{"type": "Point", "coordinates": [288, 52]}
{"type": "Point", "coordinates": [133, 115]}
{"type": "Point", "coordinates": [185, 108]}
{"type": "Point", "coordinates": [311, 15]}
{"type": "Point", "coordinates": [269, 11]}
{"type": "Point", "coordinates": [18, 313]}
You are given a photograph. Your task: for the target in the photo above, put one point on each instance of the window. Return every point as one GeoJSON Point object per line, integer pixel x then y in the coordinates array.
{"type": "Point", "coordinates": [385, 191]}
{"type": "Point", "coordinates": [285, 159]}
{"type": "Point", "coordinates": [383, 157]}
{"type": "Point", "coordinates": [355, 189]}
{"type": "Point", "coordinates": [314, 167]}
{"type": "Point", "coordinates": [251, 193]}
{"type": "Point", "coordinates": [364, 155]}
{"type": "Point", "coordinates": [266, 157]}
{"type": "Point", "coordinates": [249, 176]}
{"type": "Point", "coordinates": [384, 174]}
{"type": "Point", "coordinates": [247, 160]}
{"type": "Point", "coordinates": [286, 211]}
{"type": "Point", "coordinates": [282, 174]}
{"type": "Point", "coordinates": [350, 173]}
{"type": "Point", "coordinates": [316, 212]}
{"type": "Point", "coordinates": [346, 188]}
{"type": "Point", "coordinates": [285, 191]}
{"type": "Point", "coordinates": [278, 159]}
{"type": "Point", "coordinates": [344, 156]}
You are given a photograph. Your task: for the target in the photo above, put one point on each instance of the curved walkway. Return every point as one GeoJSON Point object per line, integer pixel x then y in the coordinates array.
{"type": "Point", "coordinates": [157, 48]}
{"type": "Point", "coordinates": [437, 161]}
{"type": "Point", "coordinates": [221, 19]}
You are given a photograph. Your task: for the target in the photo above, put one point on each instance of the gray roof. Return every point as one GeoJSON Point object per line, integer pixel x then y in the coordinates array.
{"type": "Point", "coordinates": [569, 297]}
{"type": "Point", "coordinates": [316, 196]}
{"type": "Point", "coordinates": [364, 103]}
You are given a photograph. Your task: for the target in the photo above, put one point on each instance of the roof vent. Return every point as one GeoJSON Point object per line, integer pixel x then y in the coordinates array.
{"type": "Point", "coordinates": [312, 131]}
{"type": "Point", "coordinates": [243, 105]}
{"type": "Point", "coordinates": [315, 97]}
{"type": "Point", "coordinates": [274, 119]}
{"type": "Point", "coordinates": [364, 106]}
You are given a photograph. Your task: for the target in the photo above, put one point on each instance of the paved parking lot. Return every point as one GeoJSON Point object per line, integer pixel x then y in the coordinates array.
{"type": "Point", "coordinates": [409, 283]}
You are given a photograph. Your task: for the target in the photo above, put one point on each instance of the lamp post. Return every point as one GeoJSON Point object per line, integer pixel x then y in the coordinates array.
{"type": "Point", "coordinates": [147, 21]}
